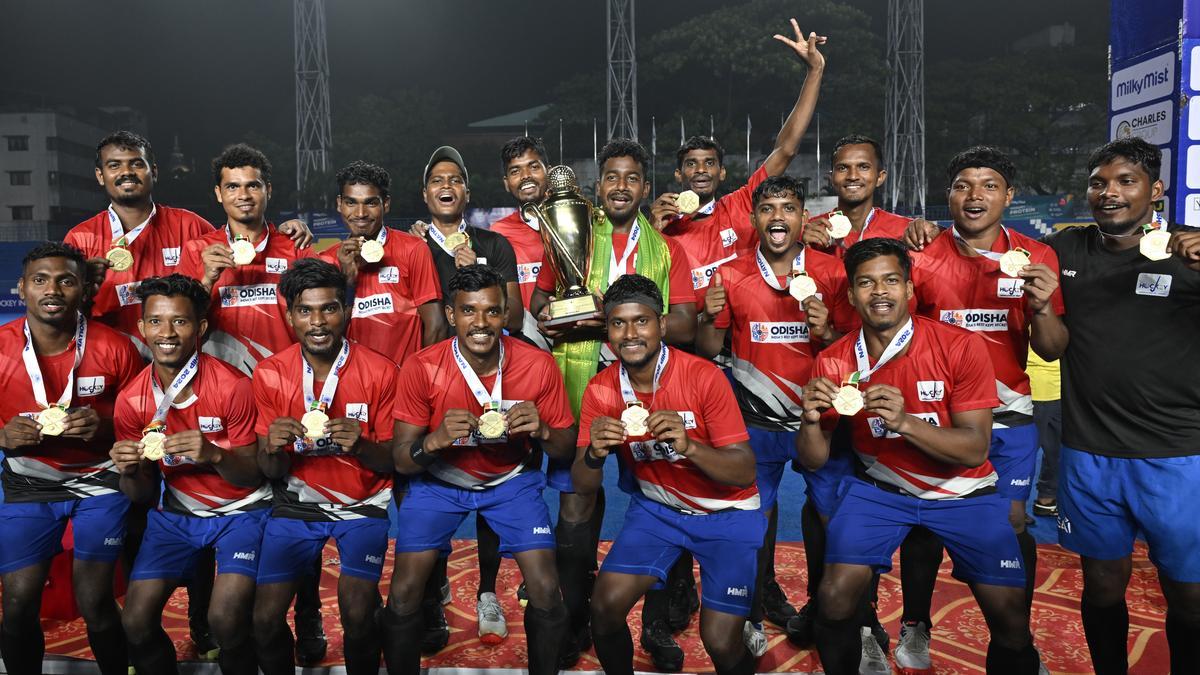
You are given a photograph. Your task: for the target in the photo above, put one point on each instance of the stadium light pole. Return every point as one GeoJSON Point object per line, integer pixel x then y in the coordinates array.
{"type": "Point", "coordinates": [622, 71]}
{"type": "Point", "coordinates": [314, 137]}
{"type": "Point", "coordinates": [904, 110]}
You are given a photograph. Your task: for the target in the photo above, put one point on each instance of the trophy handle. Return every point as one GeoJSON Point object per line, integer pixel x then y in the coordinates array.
{"type": "Point", "coordinates": [532, 210]}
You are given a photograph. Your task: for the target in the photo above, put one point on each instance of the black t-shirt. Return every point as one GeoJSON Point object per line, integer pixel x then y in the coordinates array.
{"type": "Point", "coordinates": [490, 248]}
{"type": "Point", "coordinates": [1130, 385]}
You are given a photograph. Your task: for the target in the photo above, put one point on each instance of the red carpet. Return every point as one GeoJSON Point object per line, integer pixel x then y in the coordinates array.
{"type": "Point", "coordinates": [959, 641]}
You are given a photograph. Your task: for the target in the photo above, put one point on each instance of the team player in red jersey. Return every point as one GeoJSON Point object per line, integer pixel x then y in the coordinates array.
{"type": "Point", "coordinates": [919, 396]}
{"type": "Point", "coordinates": [58, 470]}
{"type": "Point", "coordinates": [685, 461]}
{"type": "Point", "coordinates": [775, 338]}
{"type": "Point", "coordinates": [153, 234]}
{"type": "Point", "coordinates": [397, 300]}
{"type": "Point", "coordinates": [856, 173]}
{"type": "Point", "coordinates": [196, 415]}
{"type": "Point", "coordinates": [959, 280]}
{"type": "Point", "coordinates": [467, 412]}
{"type": "Point", "coordinates": [330, 482]}
{"type": "Point", "coordinates": [719, 230]}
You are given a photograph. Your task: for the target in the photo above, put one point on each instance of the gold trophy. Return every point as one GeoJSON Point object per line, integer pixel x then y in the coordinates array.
{"type": "Point", "coordinates": [566, 218]}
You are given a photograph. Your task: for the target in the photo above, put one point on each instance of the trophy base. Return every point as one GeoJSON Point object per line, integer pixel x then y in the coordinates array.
{"type": "Point", "coordinates": [569, 310]}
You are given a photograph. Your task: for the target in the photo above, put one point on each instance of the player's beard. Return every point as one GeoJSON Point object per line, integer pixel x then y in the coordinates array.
{"type": "Point", "coordinates": [650, 356]}
{"type": "Point", "coordinates": [1122, 228]}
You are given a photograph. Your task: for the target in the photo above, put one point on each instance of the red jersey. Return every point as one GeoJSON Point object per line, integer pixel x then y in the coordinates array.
{"type": "Point", "coordinates": [945, 370]}
{"type": "Point", "coordinates": [431, 384]}
{"type": "Point", "coordinates": [222, 408]}
{"type": "Point", "coordinates": [683, 289]}
{"type": "Point", "coordinates": [324, 483]}
{"type": "Point", "coordinates": [63, 468]}
{"type": "Point", "coordinates": [880, 224]}
{"type": "Point", "coordinates": [699, 392]}
{"type": "Point", "coordinates": [772, 355]}
{"type": "Point", "coordinates": [527, 245]}
{"type": "Point", "coordinates": [156, 252]}
{"type": "Point", "coordinates": [388, 293]}
{"type": "Point", "coordinates": [971, 292]}
{"type": "Point", "coordinates": [247, 319]}
{"type": "Point", "coordinates": [726, 233]}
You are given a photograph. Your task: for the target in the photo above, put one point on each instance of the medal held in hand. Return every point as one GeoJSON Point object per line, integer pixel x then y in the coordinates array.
{"type": "Point", "coordinates": [314, 422]}
{"type": "Point", "coordinates": [119, 257]}
{"type": "Point", "coordinates": [457, 239]}
{"type": "Point", "coordinates": [1154, 244]}
{"type": "Point", "coordinates": [1013, 261]}
{"type": "Point", "coordinates": [802, 287]}
{"type": "Point", "coordinates": [687, 201]}
{"type": "Point", "coordinates": [243, 251]}
{"type": "Point", "coordinates": [153, 437]}
{"type": "Point", "coordinates": [839, 225]}
{"type": "Point", "coordinates": [634, 418]}
{"type": "Point", "coordinates": [371, 251]}
{"type": "Point", "coordinates": [52, 420]}
{"type": "Point", "coordinates": [849, 400]}
{"type": "Point", "coordinates": [492, 424]}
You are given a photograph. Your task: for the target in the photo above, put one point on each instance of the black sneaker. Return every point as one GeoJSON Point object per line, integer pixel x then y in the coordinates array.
{"type": "Point", "coordinates": [682, 603]}
{"type": "Point", "coordinates": [776, 608]}
{"type": "Point", "coordinates": [437, 631]}
{"type": "Point", "coordinates": [881, 635]}
{"type": "Point", "coordinates": [574, 647]}
{"type": "Point", "coordinates": [800, 629]}
{"type": "Point", "coordinates": [666, 654]}
{"type": "Point", "coordinates": [1045, 509]}
{"type": "Point", "coordinates": [310, 640]}
{"type": "Point", "coordinates": [206, 646]}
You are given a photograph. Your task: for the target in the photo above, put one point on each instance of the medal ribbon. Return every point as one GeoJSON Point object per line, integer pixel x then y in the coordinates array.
{"type": "Point", "coordinates": [864, 360]}
{"type": "Point", "coordinates": [119, 236]}
{"type": "Point", "coordinates": [165, 399]}
{"type": "Point", "coordinates": [861, 233]}
{"type": "Point", "coordinates": [1156, 223]}
{"type": "Point", "coordinates": [440, 239]}
{"type": "Point", "coordinates": [29, 356]}
{"type": "Point", "coordinates": [990, 255]}
{"type": "Point", "coordinates": [331, 381]}
{"type": "Point", "coordinates": [768, 274]}
{"type": "Point", "coordinates": [488, 400]}
{"type": "Point", "coordinates": [664, 354]}
{"type": "Point", "coordinates": [262, 245]}
{"type": "Point", "coordinates": [616, 268]}
{"type": "Point", "coordinates": [707, 209]}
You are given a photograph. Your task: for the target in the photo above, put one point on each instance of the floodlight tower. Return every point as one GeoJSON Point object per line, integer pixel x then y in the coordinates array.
{"type": "Point", "coordinates": [904, 111]}
{"type": "Point", "coordinates": [313, 135]}
{"type": "Point", "coordinates": [622, 71]}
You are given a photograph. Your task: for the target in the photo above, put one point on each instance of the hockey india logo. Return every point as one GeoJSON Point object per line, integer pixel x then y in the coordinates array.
{"type": "Point", "coordinates": [759, 332]}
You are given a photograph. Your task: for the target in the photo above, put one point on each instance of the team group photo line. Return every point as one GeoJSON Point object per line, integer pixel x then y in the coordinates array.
{"type": "Point", "coordinates": [209, 406]}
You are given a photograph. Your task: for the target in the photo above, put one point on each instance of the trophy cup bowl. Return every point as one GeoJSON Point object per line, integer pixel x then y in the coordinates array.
{"type": "Point", "coordinates": [566, 218]}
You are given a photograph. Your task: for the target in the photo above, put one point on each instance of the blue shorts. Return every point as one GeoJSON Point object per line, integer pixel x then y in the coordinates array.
{"type": "Point", "coordinates": [558, 474]}
{"type": "Point", "coordinates": [1013, 454]}
{"type": "Point", "coordinates": [726, 545]}
{"type": "Point", "coordinates": [870, 523]}
{"type": "Point", "coordinates": [32, 531]}
{"type": "Point", "coordinates": [290, 546]}
{"type": "Point", "coordinates": [433, 510]}
{"type": "Point", "coordinates": [822, 485]}
{"type": "Point", "coordinates": [172, 542]}
{"type": "Point", "coordinates": [773, 451]}
{"type": "Point", "coordinates": [1104, 501]}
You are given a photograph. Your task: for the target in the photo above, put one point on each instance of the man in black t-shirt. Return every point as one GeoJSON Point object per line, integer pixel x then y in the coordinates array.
{"type": "Point", "coordinates": [1131, 403]}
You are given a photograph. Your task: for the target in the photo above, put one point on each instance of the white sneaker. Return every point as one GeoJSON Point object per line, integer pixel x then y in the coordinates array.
{"type": "Point", "coordinates": [755, 639]}
{"type": "Point", "coordinates": [492, 626]}
{"type": "Point", "coordinates": [873, 660]}
{"type": "Point", "coordinates": [1042, 669]}
{"type": "Point", "coordinates": [912, 652]}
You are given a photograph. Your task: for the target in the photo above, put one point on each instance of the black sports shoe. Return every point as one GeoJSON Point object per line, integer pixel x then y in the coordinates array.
{"type": "Point", "coordinates": [776, 608]}
{"type": "Point", "coordinates": [1045, 509]}
{"type": "Point", "coordinates": [682, 603]}
{"type": "Point", "coordinates": [666, 654]}
{"type": "Point", "coordinates": [881, 635]}
{"type": "Point", "coordinates": [206, 646]}
{"type": "Point", "coordinates": [573, 648]}
{"type": "Point", "coordinates": [800, 629]}
{"type": "Point", "coordinates": [310, 640]}
{"type": "Point", "coordinates": [437, 631]}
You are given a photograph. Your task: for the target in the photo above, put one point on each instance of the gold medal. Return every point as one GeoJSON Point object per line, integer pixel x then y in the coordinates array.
{"type": "Point", "coordinates": [802, 287]}
{"type": "Point", "coordinates": [848, 401]}
{"type": "Point", "coordinates": [52, 420]}
{"type": "Point", "coordinates": [492, 424]}
{"type": "Point", "coordinates": [839, 225]}
{"type": "Point", "coordinates": [634, 418]}
{"type": "Point", "coordinates": [243, 252]}
{"type": "Point", "coordinates": [371, 251]}
{"type": "Point", "coordinates": [314, 422]}
{"type": "Point", "coordinates": [153, 437]}
{"type": "Point", "coordinates": [457, 239]}
{"type": "Point", "coordinates": [687, 201]}
{"type": "Point", "coordinates": [1012, 262]}
{"type": "Point", "coordinates": [120, 258]}
{"type": "Point", "coordinates": [1154, 244]}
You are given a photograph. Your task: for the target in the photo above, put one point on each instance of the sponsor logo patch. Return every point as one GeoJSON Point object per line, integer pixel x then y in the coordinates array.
{"type": "Point", "coordinates": [527, 273]}
{"type": "Point", "coordinates": [89, 386]}
{"type": "Point", "coordinates": [778, 332]}
{"type": "Point", "coordinates": [277, 265]}
{"type": "Point", "coordinates": [127, 293]}
{"type": "Point", "coordinates": [357, 411]}
{"type": "Point", "coordinates": [389, 275]}
{"type": "Point", "coordinates": [984, 320]}
{"type": "Point", "coordinates": [648, 451]}
{"type": "Point", "coordinates": [375, 559]}
{"type": "Point", "coordinates": [1154, 285]}
{"type": "Point", "coordinates": [931, 390]}
{"type": "Point", "coordinates": [879, 430]}
{"type": "Point", "coordinates": [245, 296]}
{"type": "Point", "coordinates": [210, 425]}
{"type": "Point", "coordinates": [1013, 564]}
{"type": "Point", "coordinates": [689, 419]}
{"type": "Point", "coordinates": [542, 529]}
{"type": "Point", "coordinates": [372, 305]}
{"type": "Point", "coordinates": [738, 591]}
{"type": "Point", "coordinates": [244, 555]}
{"type": "Point", "coordinates": [170, 256]}
{"type": "Point", "coordinates": [728, 237]}
{"type": "Point", "coordinates": [1010, 288]}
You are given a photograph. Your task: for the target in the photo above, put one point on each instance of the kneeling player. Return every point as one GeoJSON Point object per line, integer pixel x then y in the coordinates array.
{"type": "Point", "coordinates": [189, 418]}
{"type": "Point", "coordinates": [324, 438]}
{"type": "Point", "coordinates": [920, 430]}
{"type": "Point", "coordinates": [467, 410]}
{"type": "Point", "coordinates": [686, 461]}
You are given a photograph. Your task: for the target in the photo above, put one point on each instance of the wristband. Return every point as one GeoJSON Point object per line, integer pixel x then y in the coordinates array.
{"type": "Point", "coordinates": [419, 457]}
{"type": "Point", "coordinates": [591, 461]}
